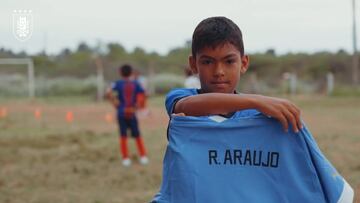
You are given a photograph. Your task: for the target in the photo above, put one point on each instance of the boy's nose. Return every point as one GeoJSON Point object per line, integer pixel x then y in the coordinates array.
{"type": "Point", "coordinates": [219, 70]}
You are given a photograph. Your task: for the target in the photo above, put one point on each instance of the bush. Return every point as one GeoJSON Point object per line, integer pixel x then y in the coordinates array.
{"type": "Point", "coordinates": [14, 85]}
{"type": "Point", "coordinates": [163, 83]}
{"type": "Point", "coordinates": [17, 85]}
{"type": "Point", "coordinates": [66, 86]}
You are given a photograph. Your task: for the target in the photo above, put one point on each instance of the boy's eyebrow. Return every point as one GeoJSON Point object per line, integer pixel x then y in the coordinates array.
{"type": "Point", "coordinates": [206, 57]}
{"type": "Point", "coordinates": [225, 57]}
{"type": "Point", "coordinates": [229, 56]}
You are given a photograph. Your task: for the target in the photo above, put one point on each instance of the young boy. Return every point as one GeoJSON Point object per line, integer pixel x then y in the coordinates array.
{"type": "Point", "coordinates": [219, 59]}
{"type": "Point", "coordinates": [305, 176]}
{"type": "Point", "coordinates": [129, 93]}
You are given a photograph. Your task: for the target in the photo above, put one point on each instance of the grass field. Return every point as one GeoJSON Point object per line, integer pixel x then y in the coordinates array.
{"type": "Point", "coordinates": [50, 160]}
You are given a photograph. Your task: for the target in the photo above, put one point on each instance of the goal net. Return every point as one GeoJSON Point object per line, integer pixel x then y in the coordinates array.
{"type": "Point", "coordinates": [20, 62]}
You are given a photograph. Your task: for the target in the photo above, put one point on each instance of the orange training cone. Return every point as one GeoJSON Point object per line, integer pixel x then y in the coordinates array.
{"type": "Point", "coordinates": [109, 118]}
{"type": "Point", "coordinates": [37, 113]}
{"type": "Point", "coordinates": [3, 112]}
{"type": "Point", "coordinates": [69, 117]}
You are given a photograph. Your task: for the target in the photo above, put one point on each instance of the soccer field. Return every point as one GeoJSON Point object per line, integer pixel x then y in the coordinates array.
{"type": "Point", "coordinates": [47, 157]}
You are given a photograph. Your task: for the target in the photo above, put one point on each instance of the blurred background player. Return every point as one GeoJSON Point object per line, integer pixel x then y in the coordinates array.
{"type": "Point", "coordinates": [130, 96]}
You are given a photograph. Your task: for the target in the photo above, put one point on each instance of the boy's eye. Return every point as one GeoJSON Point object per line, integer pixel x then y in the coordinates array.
{"type": "Point", "coordinates": [230, 61]}
{"type": "Point", "coordinates": [206, 62]}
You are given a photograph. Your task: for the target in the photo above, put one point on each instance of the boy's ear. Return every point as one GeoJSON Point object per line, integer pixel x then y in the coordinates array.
{"type": "Point", "coordinates": [192, 64]}
{"type": "Point", "coordinates": [245, 62]}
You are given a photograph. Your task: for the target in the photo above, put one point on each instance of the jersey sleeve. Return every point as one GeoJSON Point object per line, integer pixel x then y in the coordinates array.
{"type": "Point", "coordinates": [175, 95]}
{"type": "Point", "coordinates": [334, 186]}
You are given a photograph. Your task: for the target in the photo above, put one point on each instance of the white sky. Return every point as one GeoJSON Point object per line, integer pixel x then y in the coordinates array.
{"type": "Point", "coordinates": [159, 25]}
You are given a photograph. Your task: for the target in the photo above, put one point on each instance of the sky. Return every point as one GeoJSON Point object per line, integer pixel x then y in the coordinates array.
{"type": "Point", "coordinates": [160, 25]}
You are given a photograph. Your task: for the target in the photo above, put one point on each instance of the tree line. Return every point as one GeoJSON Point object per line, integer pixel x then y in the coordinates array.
{"type": "Point", "coordinates": [268, 65]}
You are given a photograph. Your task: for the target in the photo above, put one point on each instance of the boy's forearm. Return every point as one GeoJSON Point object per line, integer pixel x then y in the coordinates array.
{"type": "Point", "coordinates": [215, 103]}
{"type": "Point", "coordinates": [218, 103]}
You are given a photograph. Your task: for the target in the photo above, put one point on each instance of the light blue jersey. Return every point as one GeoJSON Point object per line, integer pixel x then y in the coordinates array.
{"type": "Point", "coordinates": [212, 159]}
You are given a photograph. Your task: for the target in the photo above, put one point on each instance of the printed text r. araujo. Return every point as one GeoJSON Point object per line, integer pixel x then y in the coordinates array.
{"type": "Point", "coordinates": [244, 157]}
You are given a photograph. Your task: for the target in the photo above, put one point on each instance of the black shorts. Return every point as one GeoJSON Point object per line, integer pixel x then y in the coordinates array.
{"type": "Point", "coordinates": [126, 123]}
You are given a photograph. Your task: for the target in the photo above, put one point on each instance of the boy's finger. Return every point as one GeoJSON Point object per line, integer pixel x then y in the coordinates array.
{"type": "Point", "coordinates": [290, 117]}
{"type": "Point", "coordinates": [300, 122]}
{"type": "Point", "coordinates": [283, 122]}
{"type": "Point", "coordinates": [298, 116]}
{"type": "Point", "coordinates": [297, 120]}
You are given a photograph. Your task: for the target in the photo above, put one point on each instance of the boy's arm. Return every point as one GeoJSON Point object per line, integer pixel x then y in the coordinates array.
{"type": "Point", "coordinates": [112, 99]}
{"type": "Point", "coordinates": [140, 96]}
{"type": "Point", "coordinates": [219, 103]}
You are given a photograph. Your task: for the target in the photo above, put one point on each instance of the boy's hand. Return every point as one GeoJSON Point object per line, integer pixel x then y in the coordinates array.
{"type": "Point", "coordinates": [115, 103]}
{"type": "Point", "coordinates": [281, 109]}
{"type": "Point", "coordinates": [113, 100]}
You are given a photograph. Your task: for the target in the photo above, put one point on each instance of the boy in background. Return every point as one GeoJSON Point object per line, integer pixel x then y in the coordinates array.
{"type": "Point", "coordinates": [129, 97]}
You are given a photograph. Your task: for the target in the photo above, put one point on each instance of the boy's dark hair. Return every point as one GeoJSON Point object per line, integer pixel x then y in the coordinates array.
{"type": "Point", "coordinates": [214, 31]}
{"type": "Point", "coordinates": [125, 70]}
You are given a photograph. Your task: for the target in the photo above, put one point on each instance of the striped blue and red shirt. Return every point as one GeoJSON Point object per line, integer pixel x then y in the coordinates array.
{"type": "Point", "coordinates": [128, 93]}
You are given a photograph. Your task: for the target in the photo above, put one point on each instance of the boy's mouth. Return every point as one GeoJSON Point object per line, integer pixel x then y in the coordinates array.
{"type": "Point", "coordinates": [220, 84]}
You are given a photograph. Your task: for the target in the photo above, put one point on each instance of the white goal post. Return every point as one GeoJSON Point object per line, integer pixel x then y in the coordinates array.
{"type": "Point", "coordinates": [30, 65]}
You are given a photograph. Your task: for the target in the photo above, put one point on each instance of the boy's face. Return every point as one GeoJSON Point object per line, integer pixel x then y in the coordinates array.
{"type": "Point", "coordinates": [219, 68]}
